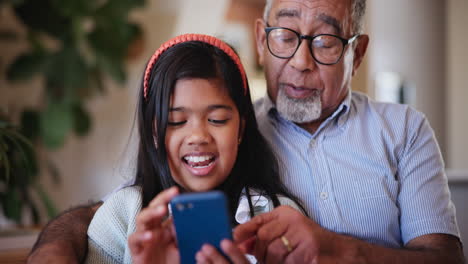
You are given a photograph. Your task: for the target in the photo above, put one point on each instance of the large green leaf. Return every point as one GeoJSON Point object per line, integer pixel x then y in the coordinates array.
{"type": "Point", "coordinates": [14, 2]}
{"type": "Point", "coordinates": [73, 8]}
{"type": "Point", "coordinates": [12, 204]}
{"type": "Point", "coordinates": [116, 9]}
{"type": "Point", "coordinates": [55, 123]}
{"type": "Point", "coordinates": [99, 40]}
{"type": "Point", "coordinates": [120, 31]}
{"type": "Point", "coordinates": [96, 82]}
{"type": "Point", "coordinates": [29, 165]}
{"type": "Point", "coordinates": [30, 127]}
{"type": "Point", "coordinates": [42, 16]}
{"type": "Point", "coordinates": [4, 161]}
{"type": "Point", "coordinates": [66, 73]}
{"type": "Point", "coordinates": [112, 67]}
{"type": "Point", "coordinates": [49, 205]}
{"type": "Point", "coordinates": [16, 153]}
{"type": "Point", "coordinates": [25, 66]}
{"type": "Point", "coordinates": [82, 120]}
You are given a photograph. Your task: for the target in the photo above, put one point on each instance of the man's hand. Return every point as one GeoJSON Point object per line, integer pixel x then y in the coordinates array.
{"type": "Point", "coordinates": [154, 238]}
{"type": "Point", "coordinates": [64, 239]}
{"type": "Point", "coordinates": [284, 235]}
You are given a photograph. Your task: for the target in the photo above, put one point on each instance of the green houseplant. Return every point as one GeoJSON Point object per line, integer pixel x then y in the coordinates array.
{"type": "Point", "coordinates": [18, 174]}
{"type": "Point", "coordinates": [74, 45]}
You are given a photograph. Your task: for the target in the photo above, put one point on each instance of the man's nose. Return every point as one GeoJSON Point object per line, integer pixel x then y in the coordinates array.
{"type": "Point", "coordinates": [302, 59]}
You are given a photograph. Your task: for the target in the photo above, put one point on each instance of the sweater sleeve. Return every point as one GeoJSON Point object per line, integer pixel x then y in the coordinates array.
{"type": "Point", "coordinates": [111, 225]}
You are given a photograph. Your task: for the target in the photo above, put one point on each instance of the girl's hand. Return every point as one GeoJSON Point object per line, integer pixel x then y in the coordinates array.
{"type": "Point", "coordinates": [209, 254]}
{"type": "Point", "coordinates": [154, 238]}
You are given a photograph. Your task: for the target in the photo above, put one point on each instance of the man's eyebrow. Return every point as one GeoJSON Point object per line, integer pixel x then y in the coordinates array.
{"type": "Point", "coordinates": [323, 17]}
{"type": "Point", "coordinates": [287, 13]}
{"type": "Point", "coordinates": [331, 21]}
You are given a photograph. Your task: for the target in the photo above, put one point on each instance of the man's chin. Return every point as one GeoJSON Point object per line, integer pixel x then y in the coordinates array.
{"type": "Point", "coordinates": [299, 111]}
{"type": "Point", "coordinates": [300, 120]}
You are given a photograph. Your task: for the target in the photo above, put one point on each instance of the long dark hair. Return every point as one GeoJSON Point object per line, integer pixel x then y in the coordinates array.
{"type": "Point", "coordinates": [255, 166]}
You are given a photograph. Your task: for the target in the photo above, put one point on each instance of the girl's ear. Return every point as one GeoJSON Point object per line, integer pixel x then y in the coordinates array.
{"type": "Point", "coordinates": [241, 131]}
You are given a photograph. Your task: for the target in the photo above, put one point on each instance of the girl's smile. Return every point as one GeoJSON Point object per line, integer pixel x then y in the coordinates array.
{"type": "Point", "coordinates": [200, 164]}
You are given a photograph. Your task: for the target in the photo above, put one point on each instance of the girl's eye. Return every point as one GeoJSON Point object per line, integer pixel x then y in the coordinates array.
{"type": "Point", "coordinates": [218, 121]}
{"type": "Point", "coordinates": [169, 123]}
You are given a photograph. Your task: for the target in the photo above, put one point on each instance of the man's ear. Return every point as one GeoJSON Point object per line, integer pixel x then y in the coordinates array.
{"type": "Point", "coordinates": [260, 38]}
{"type": "Point", "coordinates": [360, 51]}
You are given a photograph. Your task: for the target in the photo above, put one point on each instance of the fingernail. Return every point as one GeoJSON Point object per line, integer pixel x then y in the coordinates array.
{"type": "Point", "coordinates": [147, 235]}
{"type": "Point", "coordinates": [160, 209]}
{"type": "Point", "coordinates": [224, 242]}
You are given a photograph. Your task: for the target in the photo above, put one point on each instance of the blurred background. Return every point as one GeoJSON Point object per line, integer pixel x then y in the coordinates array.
{"type": "Point", "coordinates": [70, 73]}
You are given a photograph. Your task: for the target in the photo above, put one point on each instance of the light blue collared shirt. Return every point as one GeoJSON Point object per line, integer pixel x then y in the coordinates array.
{"type": "Point", "coordinates": [372, 170]}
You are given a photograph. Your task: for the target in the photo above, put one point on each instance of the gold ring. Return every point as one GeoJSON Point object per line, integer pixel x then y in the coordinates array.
{"type": "Point", "coordinates": [286, 243]}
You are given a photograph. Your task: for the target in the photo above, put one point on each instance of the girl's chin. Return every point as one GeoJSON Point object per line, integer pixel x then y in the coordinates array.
{"type": "Point", "coordinates": [199, 188]}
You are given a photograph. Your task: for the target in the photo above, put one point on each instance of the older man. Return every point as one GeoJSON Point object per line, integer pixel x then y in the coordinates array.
{"type": "Point", "coordinates": [370, 175]}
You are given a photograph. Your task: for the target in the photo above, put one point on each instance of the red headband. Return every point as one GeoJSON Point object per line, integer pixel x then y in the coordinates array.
{"type": "Point", "coordinates": [192, 37]}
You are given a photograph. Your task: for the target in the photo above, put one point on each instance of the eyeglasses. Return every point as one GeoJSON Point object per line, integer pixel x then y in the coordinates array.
{"type": "Point", "coordinates": [326, 49]}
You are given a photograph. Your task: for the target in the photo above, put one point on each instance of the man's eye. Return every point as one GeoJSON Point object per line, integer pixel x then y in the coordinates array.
{"type": "Point", "coordinates": [288, 40]}
{"type": "Point", "coordinates": [176, 123]}
{"type": "Point", "coordinates": [218, 121]}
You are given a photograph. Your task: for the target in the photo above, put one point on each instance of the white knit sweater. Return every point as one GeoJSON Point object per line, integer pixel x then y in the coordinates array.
{"type": "Point", "coordinates": [114, 222]}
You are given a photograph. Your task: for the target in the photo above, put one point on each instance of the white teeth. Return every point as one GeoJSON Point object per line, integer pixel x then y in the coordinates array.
{"type": "Point", "coordinates": [196, 159]}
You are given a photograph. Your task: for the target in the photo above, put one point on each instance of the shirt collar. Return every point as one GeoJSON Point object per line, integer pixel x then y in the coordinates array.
{"type": "Point", "coordinates": [342, 112]}
{"type": "Point", "coordinates": [268, 106]}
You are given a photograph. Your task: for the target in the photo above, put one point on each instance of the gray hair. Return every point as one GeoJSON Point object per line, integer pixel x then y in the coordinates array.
{"type": "Point", "coordinates": [358, 7]}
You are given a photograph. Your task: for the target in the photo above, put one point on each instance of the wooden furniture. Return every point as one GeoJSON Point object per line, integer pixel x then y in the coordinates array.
{"type": "Point", "coordinates": [15, 245]}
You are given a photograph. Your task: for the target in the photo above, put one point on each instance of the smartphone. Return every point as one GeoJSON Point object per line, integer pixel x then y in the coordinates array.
{"type": "Point", "coordinates": [200, 218]}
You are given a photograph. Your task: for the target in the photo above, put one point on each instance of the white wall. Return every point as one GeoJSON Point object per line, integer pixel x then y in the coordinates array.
{"type": "Point", "coordinates": [425, 41]}
{"type": "Point", "coordinates": [407, 37]}
{"type": "Point", "coordinates": [457, 84]}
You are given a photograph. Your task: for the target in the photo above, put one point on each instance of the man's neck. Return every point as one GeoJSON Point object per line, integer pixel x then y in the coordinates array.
{"type": "Point", "coordinates": [311, 127]}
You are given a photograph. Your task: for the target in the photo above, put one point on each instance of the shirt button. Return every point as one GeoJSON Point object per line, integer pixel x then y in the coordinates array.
{"type": "Point", "coordinates": [323, 195]}
{"type": "Point", "coordinates": [313, 143]}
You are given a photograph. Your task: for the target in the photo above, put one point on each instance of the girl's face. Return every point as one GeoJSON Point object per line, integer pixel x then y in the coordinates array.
{"type": "Point", "coordinates": [202, 134]}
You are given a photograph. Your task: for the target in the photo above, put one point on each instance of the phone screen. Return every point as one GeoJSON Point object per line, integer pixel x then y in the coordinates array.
{"type": "Point", "coordinates": [200, 218]}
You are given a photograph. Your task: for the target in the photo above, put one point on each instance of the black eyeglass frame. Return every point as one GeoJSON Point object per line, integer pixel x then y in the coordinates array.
{"type": "Point", "coordinates": [345, 42]}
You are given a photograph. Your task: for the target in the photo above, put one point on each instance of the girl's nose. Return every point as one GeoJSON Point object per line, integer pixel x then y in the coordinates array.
{"type": "Point", "coordinates": [199, 135]}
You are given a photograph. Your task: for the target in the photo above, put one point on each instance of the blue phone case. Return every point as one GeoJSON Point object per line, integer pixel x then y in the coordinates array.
{"type": "Point", "coordinates": [200, 218]}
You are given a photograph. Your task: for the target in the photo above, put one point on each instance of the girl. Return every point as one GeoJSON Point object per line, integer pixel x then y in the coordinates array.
{"type": "Point", "coordinates": [198, 132]}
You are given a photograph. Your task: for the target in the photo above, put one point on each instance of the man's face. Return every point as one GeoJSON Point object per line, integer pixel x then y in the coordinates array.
{"type": "Point", "coordinates": [305, 91]}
